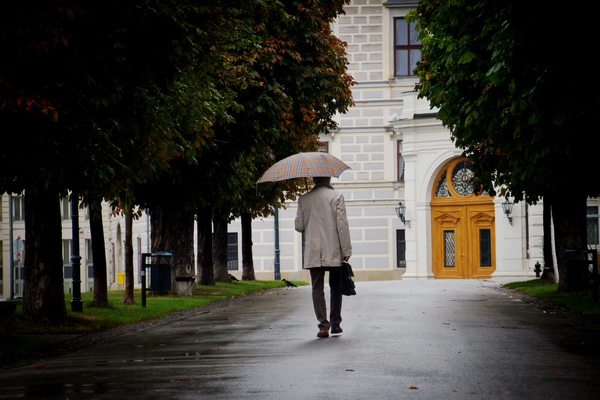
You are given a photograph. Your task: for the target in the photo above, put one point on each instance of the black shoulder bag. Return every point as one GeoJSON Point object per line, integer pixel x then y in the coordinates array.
{"type": "Point", "coordinates": [347, 282]}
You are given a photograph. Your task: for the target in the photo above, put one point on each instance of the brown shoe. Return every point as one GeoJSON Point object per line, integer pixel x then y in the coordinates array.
{"type": "Point", "coordinates": [336, 331]}
{"type": "Point", "coordinates": [324, 333]}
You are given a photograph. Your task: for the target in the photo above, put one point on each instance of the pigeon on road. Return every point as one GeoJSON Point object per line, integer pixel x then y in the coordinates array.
{"type": "Point", "coordinates": [288, 283]}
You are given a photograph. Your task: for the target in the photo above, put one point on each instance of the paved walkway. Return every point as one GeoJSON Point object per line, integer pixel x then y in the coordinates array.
{"type": "Point", "coordinates": [411, 339]}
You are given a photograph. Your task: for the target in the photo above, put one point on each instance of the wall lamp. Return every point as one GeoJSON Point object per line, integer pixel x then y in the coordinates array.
{"type": "Point", "coordinates": [507, 207]}
{"type": "Point", "coordinates": [401, 212]}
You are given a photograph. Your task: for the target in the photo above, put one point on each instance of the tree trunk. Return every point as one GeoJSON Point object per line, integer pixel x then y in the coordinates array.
{"type": "Point", "coordinates": [247, 260]}
{"type": "Point", "coordinates": [220, 250]}
{"type": "Point", "coordinates": [205, 257]}
{"type": "Point", "coordinates": [129, 276]}
{"type": "Point", "coordinates": [569, 216]}
{"type": "Point", "coordinates": [99, 252]}
{"type": "Point", "coordinates": [548, 271]}
{"type": "Point", "coordinates": [43, 292]}
{"type": "Point", "coordinates": [172, 230]}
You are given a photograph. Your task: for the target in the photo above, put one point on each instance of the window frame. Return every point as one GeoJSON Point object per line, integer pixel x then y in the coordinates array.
{"type": "Point", "coordinates": [401, 248]}
{"type": "Point", "coordinates": [18, 208]}
{"type": "Point", "coordinates": [323, 147]}
{"type": "Point", "coordinates": [408, 47]}
{"type": "Point", "coordinates": [89, 259]}
{"type": "Point", "coordinates": [67, 266]}
{"type": "Point", "coordinates": [65, 208]}
{"type": "Point", "coordinates": [400, 170]}
{"type": "Point", "coordinates": [1, 267]}
{"type": "Point", "coordinates": [592, 225]}
{"type": "Point", "coordinates": [232, 251]}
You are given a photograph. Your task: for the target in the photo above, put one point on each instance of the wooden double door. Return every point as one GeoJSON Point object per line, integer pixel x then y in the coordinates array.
{"type": "Point", "coordinates": [463, 241]}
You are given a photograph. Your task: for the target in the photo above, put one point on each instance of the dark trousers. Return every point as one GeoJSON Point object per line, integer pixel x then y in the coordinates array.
{"type": "Point", "coordinates": [317, 276]}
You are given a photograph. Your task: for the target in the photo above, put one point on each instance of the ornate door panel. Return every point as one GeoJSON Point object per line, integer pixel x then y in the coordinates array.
{"type": "Point", "coordinates": [482, 249]}
{"type": "Point", "coordinates": [449, 242]}
{"type": "Point", "coordinates": [463, 233]}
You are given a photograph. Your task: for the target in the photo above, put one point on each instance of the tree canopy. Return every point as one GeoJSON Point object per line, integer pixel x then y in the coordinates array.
{"type": "Point", "coordinates": [504, 76]}
{"type": "Point", "coordinates": [292, 80]}
{"type": "Point", "coordinates": [500, 74]}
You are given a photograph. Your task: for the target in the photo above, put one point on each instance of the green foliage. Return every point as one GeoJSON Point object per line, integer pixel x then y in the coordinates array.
{"type": "Point", "coordinates": [579, 301]}
{"type": "Point", "coordinates": [529, 284]}
{"type": "Point", "coordinates": [285, 79]}
{"type": "Point", "coordinates": [112, 95]}
{"type": "Point", "coordinates": [497, 72]}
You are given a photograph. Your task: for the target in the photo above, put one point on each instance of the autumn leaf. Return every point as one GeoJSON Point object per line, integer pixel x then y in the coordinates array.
{"type": "Point", "coordinates": [413, 387]}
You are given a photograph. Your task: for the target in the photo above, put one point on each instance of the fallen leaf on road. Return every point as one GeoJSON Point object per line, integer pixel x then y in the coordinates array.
{"type": "Point", "coordinates": [413, 387]}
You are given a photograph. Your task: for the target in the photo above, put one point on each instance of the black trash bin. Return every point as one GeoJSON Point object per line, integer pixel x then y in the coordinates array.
{"type": "Point", "coordinates": [577, 269]}
{"type": "Point", "coordinates": [160, 277]}
{"type": "Point", "coordinates": [160, 274]}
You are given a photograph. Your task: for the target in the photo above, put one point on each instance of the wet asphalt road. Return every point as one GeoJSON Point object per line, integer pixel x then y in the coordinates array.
{"type": "Point", "coordinates": [422, 339]}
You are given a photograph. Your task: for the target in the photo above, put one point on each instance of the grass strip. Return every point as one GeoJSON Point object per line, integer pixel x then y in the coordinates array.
{"type": "Point", "coordinates": [577, 301]}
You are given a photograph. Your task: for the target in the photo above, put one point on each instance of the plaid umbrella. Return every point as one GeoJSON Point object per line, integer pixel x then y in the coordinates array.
{"type": "Point", "coordinates": [307, 165]}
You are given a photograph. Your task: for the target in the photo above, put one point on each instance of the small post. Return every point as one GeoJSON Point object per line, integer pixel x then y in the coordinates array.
{"type": "Point", "coordinates": [144, 266]}
{"type": "Point", "coordinates": [277, 251]}
{"type": "Point", "coordinates": [594, 275]}
{"type": "Point", "coordinates": [537, 269]}
{"type": "Point", "coordinates": [76, 301]}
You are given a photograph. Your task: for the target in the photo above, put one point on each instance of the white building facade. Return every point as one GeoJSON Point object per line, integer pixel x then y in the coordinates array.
{"type": "Point", "coordinates": [399, 153]}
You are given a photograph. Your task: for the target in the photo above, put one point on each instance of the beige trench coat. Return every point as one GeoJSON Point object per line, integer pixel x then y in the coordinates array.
{"type": "Point", "coordinates": [322, 217]}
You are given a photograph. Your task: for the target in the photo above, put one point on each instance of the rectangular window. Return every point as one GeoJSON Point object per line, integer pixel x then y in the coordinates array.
{"type": "Point", "coordinates": [1, 266]}
{"type": "Point", "coordinates": [68, 269]}
{"type": "Point", "coordinates": [485, 248]}
{"type": "Point", "coordinates": [407, 47]}
{"type": "Point", "coordinates": [232, 251]}
{"type": "Point", "coordinates": [323, 147]}
{"type": "Point", "coordinates": [89, 258]}
{"type": "Point", "coordinates": [400, 162]}
{"type": "Point", "coordinates": [449, 255]}
{"type": "Point", "coordinates": [18, 208]}
{"type": "Point", "coordinates": [401, 248]}
{"type": "Point", "coordinates": [592, 226]}
{"type": "Point", "coordinates": [65, 208]}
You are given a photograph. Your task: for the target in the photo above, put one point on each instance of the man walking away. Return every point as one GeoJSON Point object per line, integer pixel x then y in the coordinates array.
{"type": "Point", "coordinates": [322, 217]}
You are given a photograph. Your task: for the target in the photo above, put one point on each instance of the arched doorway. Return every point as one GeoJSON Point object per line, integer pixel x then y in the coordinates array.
{"type": "Point", "coordinates": [463, 234]}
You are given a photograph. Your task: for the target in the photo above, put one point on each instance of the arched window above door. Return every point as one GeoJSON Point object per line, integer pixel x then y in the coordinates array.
{"type": "Point", "coordinates": [456, 180]}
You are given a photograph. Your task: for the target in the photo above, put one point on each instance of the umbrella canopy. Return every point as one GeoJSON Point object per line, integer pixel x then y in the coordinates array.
{"type": "Point", "coordinates": [308, 165]}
